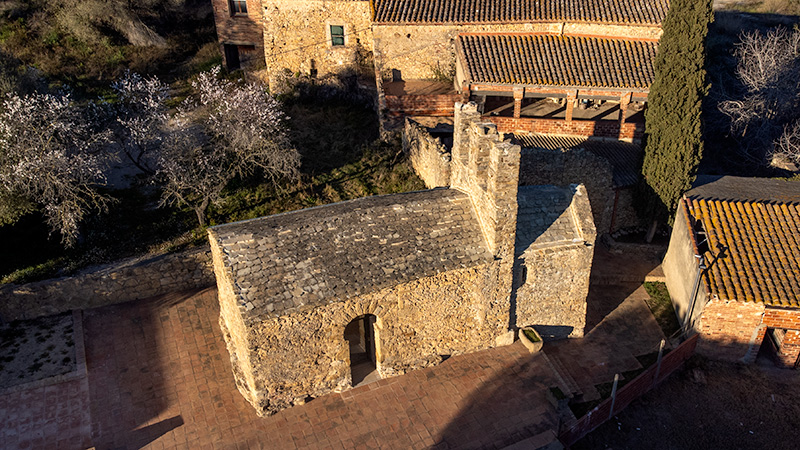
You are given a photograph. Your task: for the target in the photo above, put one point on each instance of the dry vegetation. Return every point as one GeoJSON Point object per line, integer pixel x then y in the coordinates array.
{"type": "Point", "coordinates": [88, 43]}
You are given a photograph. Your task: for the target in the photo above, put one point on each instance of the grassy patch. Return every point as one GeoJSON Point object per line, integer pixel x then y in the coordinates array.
{"type": "Point", "coordinates": [661, 306]}
{"type": "Point", "coordinates": [531, 335]}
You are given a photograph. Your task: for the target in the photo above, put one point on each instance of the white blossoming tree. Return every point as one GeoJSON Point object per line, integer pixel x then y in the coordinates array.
{"type": "Point", "coordinates": [141, 118]}
{"type": "Point", "coordinates": [226, 130]}
{"type": "Point", "coordinates": [50, 160]}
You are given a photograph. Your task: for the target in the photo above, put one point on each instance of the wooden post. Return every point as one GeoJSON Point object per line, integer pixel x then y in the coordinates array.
{"type": "Point", "coordinates": [613, 396]}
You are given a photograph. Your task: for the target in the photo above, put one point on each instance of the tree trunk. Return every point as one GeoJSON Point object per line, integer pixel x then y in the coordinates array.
{"type": "Point", "coordinates": [201, 212]}
{"type": "Point", "coordinates": [651, 232]}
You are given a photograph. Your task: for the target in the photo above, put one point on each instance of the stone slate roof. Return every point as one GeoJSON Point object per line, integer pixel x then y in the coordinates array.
{"type": "Point", "coordinates": [640, 12]}
{"type": "Point", "coordinates": [760, 230]}
{"type": "Point", "coordinates": [625, 158]}
{"type": "Point", "coordinates": [558, 60]}
{"type": "Point", "coordinates": [315, 256]}
{"type": "Point", "coordinates": [544, 218]}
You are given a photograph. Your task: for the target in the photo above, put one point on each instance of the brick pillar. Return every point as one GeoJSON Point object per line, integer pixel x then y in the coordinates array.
{"type": "Point", "coordinates": [572, 97]}
{"type": "Point", "coordinates": [624, 101]}
{"type": "Point", "coordinates": [790, 350]}
{"type": "Point", "coordinates": [519, 92]}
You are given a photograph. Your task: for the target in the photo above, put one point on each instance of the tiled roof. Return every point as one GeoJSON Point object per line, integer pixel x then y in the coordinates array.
{"type": "Point", "coordinates": [315, 256]}
{"type": "Point", "coordinates": [625, 158]}
{"type": "Point", "coordinates": [761, 241]}
{"type": "Point", "coordinates": [544, 218]}
{"type": "Point", "coordinates": [644, 12]}
{"type": "Point", "coordinates": [558, 60]}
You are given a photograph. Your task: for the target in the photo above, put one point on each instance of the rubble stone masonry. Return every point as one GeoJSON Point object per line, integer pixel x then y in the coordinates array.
{"type": "Point", "coordinates": [297, 36]}
{"type": "Point", "coordinates": [428, 156]}
{"type": "Point", "coordinates": [119, 282]}
{"type": "Point", "coordinates": [562, 168]}
{"type": "Point", "coordinates": [282, 357]}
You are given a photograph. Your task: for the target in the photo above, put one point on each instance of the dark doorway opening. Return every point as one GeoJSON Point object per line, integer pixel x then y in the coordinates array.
{"type": "Point", "coordinates": [360, 336]}
{"type": "Point", "coordinates": [232, 56]}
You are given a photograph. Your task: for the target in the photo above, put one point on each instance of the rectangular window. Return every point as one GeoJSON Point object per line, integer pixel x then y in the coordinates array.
{"type": "Point", "coordinates": [337, 35]}
{"type": "Point", "coordinates": [238, 7]}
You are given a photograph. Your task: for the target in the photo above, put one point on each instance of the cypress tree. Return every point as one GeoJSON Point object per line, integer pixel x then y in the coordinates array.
{"type": "Point", "coordinates": [673, 136]}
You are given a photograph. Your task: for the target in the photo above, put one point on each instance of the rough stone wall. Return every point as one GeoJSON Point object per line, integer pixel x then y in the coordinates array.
{"type": "Point", "coordinates": [120, 282]}
{"type": "Point", "coordinates": [562, 168]}
{"type": "Point", "coordinates": [552, 282]}
{"type": "Point", "coordinates": [236, 334]}
{"type": "Point", "coordinates": [632, 132]}
{"type": "Point", "coordinates": [624, 213]}
{"type": "Point", "coordinates": [429, 157]}
{"type": "Point", "coordinates": [553, 294]}
{"type": "Point", "coordinates": [420, 51]}
{"type": "Point", "coordinates": [731, 330]}
{"type": "Point", "coordinates": [486, 167]}
{"type": "Point", "coordinates": [305, 354]}
{"type": "Point", "coordinates": [241, 30]}
{"type": "Point", "coordinates": [297, 33]}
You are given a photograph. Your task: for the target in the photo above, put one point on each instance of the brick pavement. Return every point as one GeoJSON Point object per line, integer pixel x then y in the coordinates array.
{"type": "Point", "coordinates": [159, 377]}
{"type": "Point", "coordinates": [610, 347]}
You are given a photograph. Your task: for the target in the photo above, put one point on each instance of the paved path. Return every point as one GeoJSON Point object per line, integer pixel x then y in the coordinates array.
{"type": "Point", "coordinates": [627, 330]}
{"type": "Point", "coordinates": [159, 377]}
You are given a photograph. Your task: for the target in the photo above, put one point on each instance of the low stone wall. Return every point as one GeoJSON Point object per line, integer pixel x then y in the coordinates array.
{"type": "Point", "coordinates": [589, 128]}
{"type": "Point", "coordinates": [119, 282]}
{"type": "Point", "coordinates": [429, 157]}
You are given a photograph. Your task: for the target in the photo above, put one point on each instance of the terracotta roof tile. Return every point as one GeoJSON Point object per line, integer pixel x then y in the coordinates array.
{"type": "Point", "coordinates": [551, 60]}
{"type": "Point", "coordinates": [644, 12]}
{"type": "Point", "coordinates": [759, 244]}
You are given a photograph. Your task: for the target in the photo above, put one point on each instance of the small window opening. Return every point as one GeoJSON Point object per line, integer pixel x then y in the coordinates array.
{"type": "Point", "coordinates": [700, 237]}
{"type": "Point", "coordinates": [337, 35]}
{"type": "Point", "coordinates": [238, 7]}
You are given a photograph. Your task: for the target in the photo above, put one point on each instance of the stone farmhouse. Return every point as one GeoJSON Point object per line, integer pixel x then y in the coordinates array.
{"type": "Point", "coordinates": [570, 67]}
{"type": "Point", "coordinates": [317, 300]}
{"type": "Point", "coordinates": [733, 267]}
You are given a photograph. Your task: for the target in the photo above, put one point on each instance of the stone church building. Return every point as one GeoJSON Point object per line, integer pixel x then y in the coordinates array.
{"type": "Point", "coordinates": [316, 300]}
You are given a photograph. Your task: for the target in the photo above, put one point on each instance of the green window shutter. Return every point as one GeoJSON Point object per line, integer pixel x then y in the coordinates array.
{"type": "Point", "coordinates": [337, 35]}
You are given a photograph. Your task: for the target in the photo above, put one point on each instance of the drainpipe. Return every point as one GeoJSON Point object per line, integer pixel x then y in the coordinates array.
{"type": "Point", "coordinates": [701, 266]}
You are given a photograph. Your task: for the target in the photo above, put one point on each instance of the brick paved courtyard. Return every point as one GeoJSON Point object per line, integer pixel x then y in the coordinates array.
{"type": "Point", "coordinates": [159, 377]}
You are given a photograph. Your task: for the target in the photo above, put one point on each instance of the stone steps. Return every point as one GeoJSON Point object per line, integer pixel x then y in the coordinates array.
{"type": "Point", "coordinates": [566, 382]}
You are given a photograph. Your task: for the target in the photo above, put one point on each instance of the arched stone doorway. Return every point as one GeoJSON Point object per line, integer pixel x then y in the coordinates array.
{"type": "Point", "coordinates": [362, 338]}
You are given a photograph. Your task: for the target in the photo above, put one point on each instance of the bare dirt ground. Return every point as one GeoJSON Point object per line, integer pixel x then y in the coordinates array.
{"type": "Point", "coordinates": [709, 405]}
